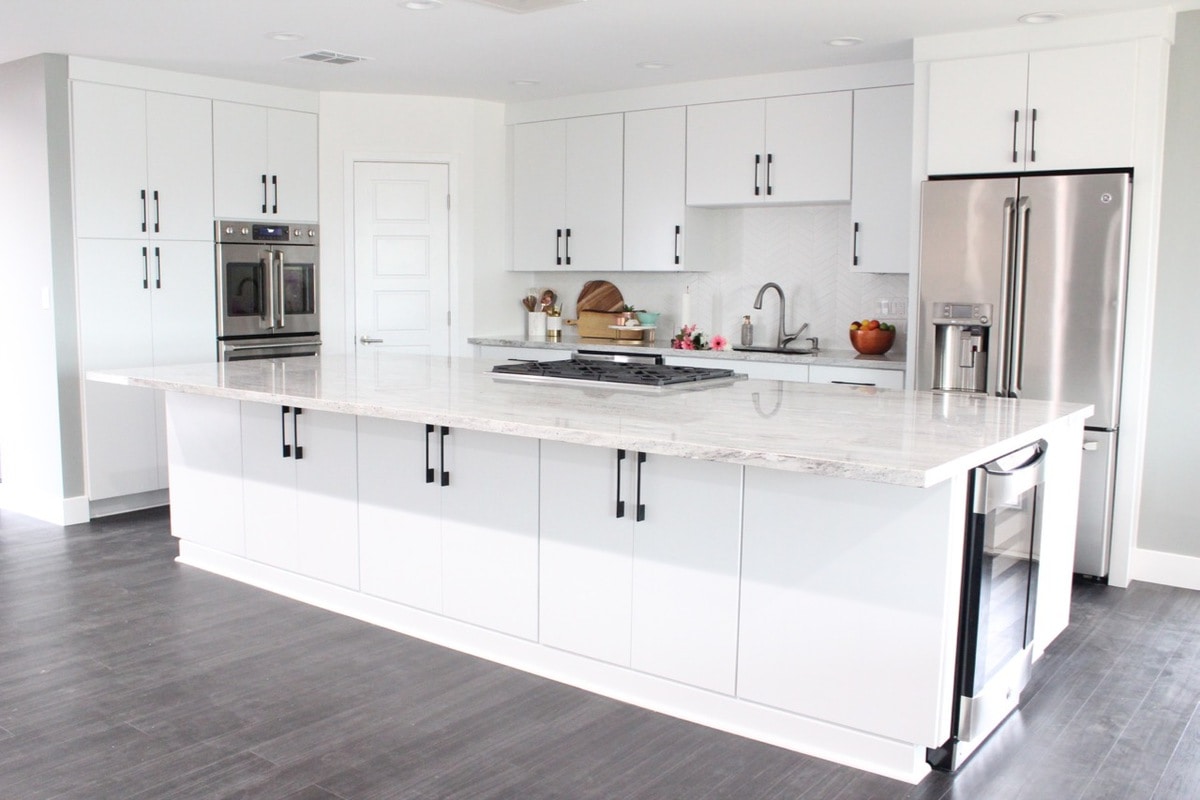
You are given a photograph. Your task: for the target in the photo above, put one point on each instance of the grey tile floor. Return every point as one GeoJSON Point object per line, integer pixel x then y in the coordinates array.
{"type": "Point", "coordinates": [126, 675]}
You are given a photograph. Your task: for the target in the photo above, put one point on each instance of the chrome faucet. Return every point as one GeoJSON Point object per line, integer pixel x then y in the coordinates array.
{"type": "Point", "coordinates": [784, 338]}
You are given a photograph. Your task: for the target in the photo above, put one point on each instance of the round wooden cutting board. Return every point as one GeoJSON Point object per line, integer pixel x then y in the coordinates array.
{"type": "Point", "coordinates": [600, 296]}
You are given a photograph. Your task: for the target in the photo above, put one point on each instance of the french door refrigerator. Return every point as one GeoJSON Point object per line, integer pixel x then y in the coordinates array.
{"type": "Point", "coordinates": [1022, 294]}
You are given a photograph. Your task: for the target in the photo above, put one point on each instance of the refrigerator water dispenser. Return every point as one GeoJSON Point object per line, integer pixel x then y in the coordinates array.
{"type": "Point", "coordinates": [960, 356]}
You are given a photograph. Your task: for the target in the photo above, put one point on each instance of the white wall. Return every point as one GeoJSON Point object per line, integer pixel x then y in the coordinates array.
{"type": "Point", "coordinates": [41, 466]}
{"type": "Point", "coordinates": [1169, 521]}
{"type": "Point", "coordinates": [470, 135]}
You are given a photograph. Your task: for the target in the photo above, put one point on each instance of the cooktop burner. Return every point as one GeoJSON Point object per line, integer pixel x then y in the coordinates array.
{"type": "Point", "coordinates": [652, 375]}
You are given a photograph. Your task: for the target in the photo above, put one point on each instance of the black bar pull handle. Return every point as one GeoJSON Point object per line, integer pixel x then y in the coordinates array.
{"type": "Point", "coordinates": [641, 507]}
{"type": "Point", "coordinates": [558, 246]}
{"type": "Point", "coordinates": [855, 261]}
{"type": "Point", "coordinates": [296, 412]}
{"type": "Point", "coordinates": [157, 213]}
{"type": "Point", "coordinates": [757, 164]}
{"type": "Point", "coordinates": [567, 247]}
{"type": "Point", "coordinates": [1016, 122]}
{"type": "Point", "coordinates": [442, 455]}
{"type": "Point", "coordinates": [275, 186]}
{"type": "Point", "coordinates": [283, 414]}
{"type": "Point", "coordinates": [428, 467]}
{"type": "Point", "coordinates": [157, 268]}
{"type": "Point", "coordinates": [145, 268]}
{"type": "Point", "coordinates": [620, 502]}
{"type": "Point", "coordinates": [1033, 134]}
{"type": "Point", "coordinates": [144, 213]}
{"type": "Point", "coordinates": [264, 184]}
{"type": "Point", "coordinates": [770, 161]}
{"type": "Point", "coordinates": [678, 232]}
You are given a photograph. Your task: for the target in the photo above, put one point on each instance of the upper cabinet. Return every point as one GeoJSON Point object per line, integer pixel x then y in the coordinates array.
{"type": "Point", "coordinates": [655, 171]}
{"type": "Point", "coordinates": [142, 162]}
{"type": "Point", "coordinates": [780, 150]}
{"type": "Point", "coordinates": [567, 193]}
{"type": "Point", "coordinates": [883, 185]}
{"type": "Point", "coordinates": [265, 162]}
{"type": "Point", "coordinates": [1045, 110]}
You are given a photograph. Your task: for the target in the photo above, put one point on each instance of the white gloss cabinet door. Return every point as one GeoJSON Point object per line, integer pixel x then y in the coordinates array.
{"type": "Point", "coordinates": [399, 513]}
{"type": "Point", "coordinates": [490, 531]}
{"type": "Point", "coordinates": [882, 186]}
{"type": "Point", "coordinates": [539, 194]}
{"type": "Point", "coordinates": [179, 158]}
{"type": "Point", "coordinates": [184, 301]}
{"type": "Point", "coordinates": [971, 107]}
{"type": "Point", "coordinates": [686, 560]}
{"type": "Point", "coordinates": [270, 486]}
{"type": "Point", "coordinates": [239, 161]}
{"type": "Point", "coordinates": [205, 456]}
{"type": "Point", "coordinates": [808, 141]}
{"type": "Point", "coordinates": [586, 551]}
{"type": "Point", "coordinates": [292, 164]}
{"type": "Point", "coordinates": [109, 160]}
{"type": "Point", "coordinates": [723, 142]}
{"type": "Point", "coordinates": [327, 497]}
{"type": "Point", "coordinates": [655, 176]}
{"type": "Point", "coordinates": [595, 154]}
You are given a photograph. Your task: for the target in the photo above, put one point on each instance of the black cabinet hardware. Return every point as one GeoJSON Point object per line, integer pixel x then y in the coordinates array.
{"type": "Point", "coordinates": [1033, 134]}
{"type": "Point", "coordinates": [428, 467]}
{"type": "Point", "coordinates": [641, 507]}
{"type": "Point", "coordinates": [144, 213]}
{"type": "Point", "coordinates": [1016, 121]}
{"type": "Point", "coordinates": [757, 164]}
{"type": "Point", "coordinates": [157, 267]}
{"type": "Point", "coordinates": [770, 160]}
{"type": "Point", "coordinates": [264, 184]}
{"type": "Point", "coordinates": [678, 230]}
{"type": "Point", "coordinates": [567, 247]}
{"type": "Point", "coordinates": [145, 268]}
{"type": "Point", "coordinates": [853, 383]}
{"type": "Point", "coordinates": [620, 502]}
{"type": "Point", "coordinates": [296, 412]}
{"type": "Point", "coordinates": [157, 212]}
{"type": "Point", "coordinates": [558, 246]}
{"type": "Point", "coordinates": [283, 415]}
{"type": "Point", "coordinates": [275, 186]}
{"type": "Point", "coordinates": [855, 250]}
{"type": "Point", "coordinates": [442, 455]}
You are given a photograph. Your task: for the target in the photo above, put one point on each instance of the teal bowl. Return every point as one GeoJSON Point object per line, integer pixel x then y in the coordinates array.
{"type": "Point", "coordinates": [648, 317]}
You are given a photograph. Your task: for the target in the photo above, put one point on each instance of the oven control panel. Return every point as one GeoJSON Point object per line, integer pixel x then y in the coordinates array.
{"type": "Point", "coordinates": [295, 233]}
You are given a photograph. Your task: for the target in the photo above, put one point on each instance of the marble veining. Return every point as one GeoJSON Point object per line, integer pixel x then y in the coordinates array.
{"type": "Point", "coordinates": [856, 432]}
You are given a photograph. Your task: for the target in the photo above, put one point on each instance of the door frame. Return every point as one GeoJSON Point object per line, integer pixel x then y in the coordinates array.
{"type": "Point", "coordinates": [458, 307]}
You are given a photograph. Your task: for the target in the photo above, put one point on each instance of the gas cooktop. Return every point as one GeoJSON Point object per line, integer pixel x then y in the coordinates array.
{"type": "Point", "coordinates": [615, 374]}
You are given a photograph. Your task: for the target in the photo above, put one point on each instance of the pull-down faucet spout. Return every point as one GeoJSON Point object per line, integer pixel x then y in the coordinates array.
{"type": "Point", "coordinates": [784, 338]}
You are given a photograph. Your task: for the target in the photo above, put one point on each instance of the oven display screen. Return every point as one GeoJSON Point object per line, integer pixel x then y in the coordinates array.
{"type": "Point", "coordinates": [271, 233]}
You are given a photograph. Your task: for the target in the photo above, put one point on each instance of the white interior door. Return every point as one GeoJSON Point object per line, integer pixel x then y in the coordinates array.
{"type": "Point", "coordinates": [402, 257]}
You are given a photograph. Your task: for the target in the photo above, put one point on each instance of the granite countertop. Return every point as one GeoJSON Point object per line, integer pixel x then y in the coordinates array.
{"type": "Point", "coordinates": [866, 433]}
{"type": "Point", "coordinates": [572, 341]}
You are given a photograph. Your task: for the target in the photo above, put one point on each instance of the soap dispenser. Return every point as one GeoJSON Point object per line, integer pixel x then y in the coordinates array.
{"type": "Point", "coordinates": [747, 331]}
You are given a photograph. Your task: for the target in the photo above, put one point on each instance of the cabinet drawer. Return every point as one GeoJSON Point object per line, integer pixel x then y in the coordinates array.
{"type": "Point", "coordinates": [863, 376]}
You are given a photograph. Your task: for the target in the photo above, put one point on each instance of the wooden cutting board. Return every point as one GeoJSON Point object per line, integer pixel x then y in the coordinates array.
{"type": "Point", "coordinates": [599, 296]}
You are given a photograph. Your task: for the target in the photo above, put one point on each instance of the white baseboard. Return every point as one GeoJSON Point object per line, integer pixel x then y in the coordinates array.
{"type": "Point", "coordinates": [1169, 569]}
{"type": "Point", "coordinates": [55, 510]}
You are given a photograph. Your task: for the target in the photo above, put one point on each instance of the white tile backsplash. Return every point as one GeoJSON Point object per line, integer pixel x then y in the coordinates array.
{"type": "Point", "coordinates": [804, 249]}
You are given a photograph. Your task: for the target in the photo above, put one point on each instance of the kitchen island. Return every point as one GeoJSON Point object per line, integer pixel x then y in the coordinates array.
{"type": "Point", "coordinates": [777, 560]}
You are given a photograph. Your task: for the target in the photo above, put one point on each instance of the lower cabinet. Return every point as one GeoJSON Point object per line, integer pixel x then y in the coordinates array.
{"type": "Point", "coordinates": [857, 376]}
{"type": "Point", "coordinates": [448, 522]}
{"type": "Point", "coordinates": [204, 449]}
{"type": "Point", "coordinates": [301, 491]}
{"type": "Point", "coordinates": [640, 559]}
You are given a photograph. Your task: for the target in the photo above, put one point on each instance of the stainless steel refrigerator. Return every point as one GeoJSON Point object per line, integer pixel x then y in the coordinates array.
{"type": "Point", "coordinates": [1022, 287]}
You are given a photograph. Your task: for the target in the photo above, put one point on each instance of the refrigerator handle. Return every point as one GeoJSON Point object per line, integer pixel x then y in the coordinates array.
{"type": "Point", "coordinates": [1004, 317]}
{"type": "Point", "coordinates": [1017, 317]}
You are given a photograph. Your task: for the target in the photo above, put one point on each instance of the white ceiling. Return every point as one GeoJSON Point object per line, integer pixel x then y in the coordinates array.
{"type": "Point", "coordinates": [469, 50]}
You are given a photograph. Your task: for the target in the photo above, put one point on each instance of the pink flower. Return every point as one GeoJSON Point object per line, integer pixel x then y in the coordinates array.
{"type": "Point", "coordinates": [719, 342]}
{"type": "Point", "coordinates": [688, 330]}
{"type": "Point", "coordinates": [686, 344]}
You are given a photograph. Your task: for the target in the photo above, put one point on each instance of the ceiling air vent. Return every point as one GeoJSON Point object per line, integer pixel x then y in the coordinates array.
{"type": "Point", "coordinates": [525, 6]}
{"type": "Point", "coordinates": [330, 57]}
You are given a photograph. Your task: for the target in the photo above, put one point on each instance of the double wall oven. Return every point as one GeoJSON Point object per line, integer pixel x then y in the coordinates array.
{"type": "Point", "coordinates": [267, 295]}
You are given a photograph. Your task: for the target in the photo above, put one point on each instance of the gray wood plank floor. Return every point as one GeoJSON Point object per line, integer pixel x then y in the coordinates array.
{"type": "Point", "coordinates": [126, 675]}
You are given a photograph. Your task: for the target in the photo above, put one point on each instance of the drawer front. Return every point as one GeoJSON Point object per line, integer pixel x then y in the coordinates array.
{"type": "Point", "coordinates": [861, 376]}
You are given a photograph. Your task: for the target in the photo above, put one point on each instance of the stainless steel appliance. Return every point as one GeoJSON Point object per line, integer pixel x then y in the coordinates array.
{"type": "Point", "coordinates": [582, 370]}
{"type": "Point", "coordinates": [1000, 572]}
{"type": "Point", "coordinates": [267, 290]}
{"type": "Point", "coordinates": [1049, 253]}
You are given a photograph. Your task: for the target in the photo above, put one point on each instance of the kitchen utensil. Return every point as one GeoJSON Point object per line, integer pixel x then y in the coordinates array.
{"type": "Point", "coordinates": [600, 296]}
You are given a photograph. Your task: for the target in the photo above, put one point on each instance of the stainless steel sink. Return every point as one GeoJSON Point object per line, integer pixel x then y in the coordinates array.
{"type": "Point", "coordinates": [791, 351]}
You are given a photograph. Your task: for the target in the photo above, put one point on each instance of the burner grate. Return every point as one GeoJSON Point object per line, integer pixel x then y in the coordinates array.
{"type": "Point", "coordinates": [613, 372]}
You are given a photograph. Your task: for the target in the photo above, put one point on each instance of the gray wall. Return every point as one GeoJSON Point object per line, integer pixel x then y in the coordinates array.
{"type": "Point", "coordinates": [1170, 513]}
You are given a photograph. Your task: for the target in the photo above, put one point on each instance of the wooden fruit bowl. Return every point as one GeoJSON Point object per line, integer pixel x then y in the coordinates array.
{"type": "Point", "coordinates": [872, 343]}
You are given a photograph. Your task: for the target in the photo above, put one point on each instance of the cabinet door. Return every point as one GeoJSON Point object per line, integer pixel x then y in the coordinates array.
{"type": "Point", "coordinates": [327, 497]}
{"type": "Point", "coordinates": [655, 171]}
{"type": "Point", "coordinates": [723, 142]}
{"type": "Point", "coordinates": [881, 194]}
{"type": "Point", "coordinates": [115, 331]}
{"type": "Point", "coordinates": [971, 107]}
{"type": "Point", "coordinates": [109, 154]}
{"type": "Point", "coordinates": [1085, 99]}
{"type": "Point", "coordinates": [179, 166]}
{"type": "Point", "coordinates": [269, 484]}
{"type": "Point", "coordinates": [539, 194]}
{"type": "Point", "coordinates": [292, 164]}
{"type": "Point", "coordinates": [586, 551]}
{"type": "Point", "coordinates": [857, 376]}
{"type": "Point", "coordinates": [808, 139]}
{"type": "Point", "coordinates": [595, 147]}
{"type": "Point", "coordinates": [205, 452]}
{"type": "Point", "coordinates": [686, 559]}
{"type": "Point", "coordinates": [399, 513]}
{"type": "Point", "coordinates": [184, 302]}
{"type": "Point", "coordinates": [490, 531]}
{"type": "Point", "coordinates": [239, 160]}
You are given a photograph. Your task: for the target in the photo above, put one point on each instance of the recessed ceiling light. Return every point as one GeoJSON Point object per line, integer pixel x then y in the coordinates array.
{"type": "Point", "coordinates": [524, 82]}
{"type": "Point", "coordinates": [844, 41]}
{"type": "Point", "coordinates": [653, 65]}
{"type": "Point", "coordinates": [284, 36]}
{"type": "Point", "coordinates": [422, 5]}
{"type": "Point", "coordinates": [1041, 17]}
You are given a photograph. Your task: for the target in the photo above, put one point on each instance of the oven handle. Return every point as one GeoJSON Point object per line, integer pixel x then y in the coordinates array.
{"type": "Point", "coordinates": [234, 347]}
{"type": "Point", "coordinates": [268, 265]}
{"type": "Point", "coordinates": [279, 288]}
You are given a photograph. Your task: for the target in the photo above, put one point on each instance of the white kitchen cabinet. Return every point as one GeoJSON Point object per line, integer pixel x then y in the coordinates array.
{"type": "Point", "coordinates": [300, 491]}
{"type": "Point", "coordinates": [644, 575]}
{"type": "Point", "coordinates": [466, 547]}
{"type": "Point", "coordinates": [779, 150]}
{"type": "Point", "coordinates": [142, 164]}
{"type": "Point", "coordinates": [264, 163]}
{"type": "Point", "coordinates": [758, 370]}
{"type": "Point", "coordinates": [655, 175]}
{"type": "Point", "coordinates": [140, 304]}
{"type": "Point", "coordinates": [882, 184]}
{"type": "Point", "coordinates": [567, 193]}
{"type": "Point", "coordinates": [857, 376]}
{"type": "Point", "coordinates": [1046, 110]}
{"type": "Point", "coordinates": [205, 455]}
